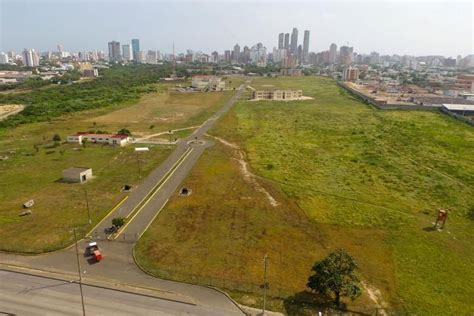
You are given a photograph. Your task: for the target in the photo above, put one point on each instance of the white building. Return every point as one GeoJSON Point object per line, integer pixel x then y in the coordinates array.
{"type": "Point", "coordinates": [111, 139]}
{"type": "Point", "coordinates": [30, 58]}
{"type": "Point", "coordinates": [279, 55]}
{"type": "Point", "coordinates": [77, 174]}
{"type": "Point", "coordinates": [4, 58]}
{"type": "Point", "coordinates": [258, 55]}
{"type": "Point", "coordinates": [207, 82]}
{"type": "Point", "coordinates": [151, 57]}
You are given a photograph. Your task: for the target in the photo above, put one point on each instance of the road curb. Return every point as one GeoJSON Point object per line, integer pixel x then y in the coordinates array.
{"type": "Point", "coordinates": [206, 286]}
{"type": "Point", "coordinates": [20, 270]}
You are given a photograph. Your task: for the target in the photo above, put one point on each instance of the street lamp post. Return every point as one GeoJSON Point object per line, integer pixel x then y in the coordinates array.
{"type": "Point", "coordinates": [80, 274]}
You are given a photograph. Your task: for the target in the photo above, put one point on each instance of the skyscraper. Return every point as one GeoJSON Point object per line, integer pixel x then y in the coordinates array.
{"type": "Point", "coordinates": [299, 53]}
{"type": "Point", "coordinates": [3, 58]}
{"type": "Point", "coordinates": [126, 52]}
{"type": "Point", "coordinates": [332, 53]}
{"type": "Point", "coordinates": [135, 48]}
{"type": "Point", "coordinates": [294, 41]}
{"type": "Point", "coordinates": [306, 46]}
{"type": "Point", "coordinates": [30, 58]}
{"type": "Point", "coordinates": [114, 51]}
{"type": "Point", "coordinates": [236, 53]}
{"type": "Point", "coordinates": [281, 39]}
{"type": "Point", "coordinates": [345, 55]}
{"type": "Point", "coordinates": [287, 41]}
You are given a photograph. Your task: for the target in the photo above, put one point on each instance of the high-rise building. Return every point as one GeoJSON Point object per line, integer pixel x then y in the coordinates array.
{"type": "Point", "coordinates": [30, 58]}
{"type": "Point", "coordinates": [135, 49]}
{"type": "Point", "coordinates": [332, 53]}
{"type": "Point", "coordinates": [294, 41]}
{"type": "Point", "coordinates": [151, 57]}
{"type": "Point", "coordinates": [299, 53]}
{"type": "Point", "coordinates": [227, 56]}
{"type": "Point", "coordinates": [306, 46]}
{"type": "Point", "coordinates": [127, 52]}
{"type": "Point", "coordinates": [4, 58]}
{"type": "Point", "coordinates": [281, 41]}
{"type": "Point", "coordinates": [236, 56]}
{"type": "Point", "coordinates": [287, 41]}
{"type": "Point", "coordinates": [345, 55]}
{"type": "Point", "coordinates": [350, 74]}
{"type": "Point", "coordinates": [114, 51]}
{"type": "Point", "coordinates": [258, 55]}
{"type": "Point", "coordinates": [374, 58]}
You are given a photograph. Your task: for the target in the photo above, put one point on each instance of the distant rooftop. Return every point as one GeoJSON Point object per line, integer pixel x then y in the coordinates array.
{"type": "Point", "coordinates": [459, 107]}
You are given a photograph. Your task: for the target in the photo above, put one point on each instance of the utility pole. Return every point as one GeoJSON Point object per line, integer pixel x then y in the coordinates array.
{"type": "Point", "coordinates": [265, 283]}
{"type": "Point", "coordinates": [87, 204]}
{"type": "Point", "coordinates": [80, 274]}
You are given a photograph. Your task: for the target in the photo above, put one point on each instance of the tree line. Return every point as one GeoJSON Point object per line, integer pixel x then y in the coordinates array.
{"type": "Point", "coordinates": [115, 85]}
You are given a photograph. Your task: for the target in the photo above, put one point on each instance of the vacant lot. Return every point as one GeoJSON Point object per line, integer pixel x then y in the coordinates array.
{"type": "Point", "coordinates": [162, 111]}
{"type": "Point", "coordinates": [31, 165]}
{"type": "Point", "coordinates": [344, 175]}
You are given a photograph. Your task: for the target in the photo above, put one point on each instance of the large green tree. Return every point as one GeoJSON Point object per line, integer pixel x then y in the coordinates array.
{"type": "Point", "coordinates": [335, 275]}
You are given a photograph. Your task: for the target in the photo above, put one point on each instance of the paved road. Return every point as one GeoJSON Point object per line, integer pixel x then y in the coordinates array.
{"type": "Point", "coordinates": [118, 265]}
{"type": "Point", "coordinates": [140, 222]}
{"type": "Point", "coordinates": [32, 295]}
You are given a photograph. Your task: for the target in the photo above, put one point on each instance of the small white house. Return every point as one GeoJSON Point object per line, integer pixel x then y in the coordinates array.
{"type": "Point", "coordinates": [111, 139]}
{"type": "Point", "coordinates": [77, 174]}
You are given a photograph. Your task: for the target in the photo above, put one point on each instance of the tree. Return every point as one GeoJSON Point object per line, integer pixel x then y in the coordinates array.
{"type": "Point", "coordinates": [118, 221]}
{"type": "Point", "coordinates": [124, 131]}
{"type": "Point", "coordinates": [335, 275]}
{"type": "Point", "coordinates": [56, 138]}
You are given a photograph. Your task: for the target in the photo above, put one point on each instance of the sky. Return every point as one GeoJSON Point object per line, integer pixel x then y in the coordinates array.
{"type": "Point", "coordinates": [401, 27]}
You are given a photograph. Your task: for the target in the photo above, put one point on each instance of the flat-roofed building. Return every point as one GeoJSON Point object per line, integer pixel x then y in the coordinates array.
{"type": "Point", "coordinates": [277, 94]}
{"type": "Point", "coordinates": [463, 109]}
{"type": "Point", "coordinates": [77, 174]}
{"type": "Point", "coordinates": [207, 82]}
{"type": "Point", "coordinates": [111, 139]}
{"type": "Point", "coordinates": [465, 83]}
{"type": "Point", "coordinates": [350, 74]}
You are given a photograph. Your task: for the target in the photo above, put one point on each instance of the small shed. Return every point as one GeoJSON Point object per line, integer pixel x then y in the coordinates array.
{"type": "Point", "coordinates": [77, 174]}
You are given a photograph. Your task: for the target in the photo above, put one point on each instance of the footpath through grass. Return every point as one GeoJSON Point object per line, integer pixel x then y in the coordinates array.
{"type": "Point", "coordinates": [346, 176]}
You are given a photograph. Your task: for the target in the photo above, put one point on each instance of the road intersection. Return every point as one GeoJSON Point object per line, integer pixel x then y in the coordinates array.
{"type": "Point", "coordinates": [140, 208]}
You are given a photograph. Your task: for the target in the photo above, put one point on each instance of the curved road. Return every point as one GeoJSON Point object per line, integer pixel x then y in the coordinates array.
{"type": "Point", "coordinates": [142, 206]}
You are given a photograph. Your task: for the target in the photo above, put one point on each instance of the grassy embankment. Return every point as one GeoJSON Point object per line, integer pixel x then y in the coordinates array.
{"type": "Point", "coordinates": [345, 176]}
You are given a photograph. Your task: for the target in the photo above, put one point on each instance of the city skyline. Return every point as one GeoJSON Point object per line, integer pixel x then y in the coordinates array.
{"type": "Point", "coordinates": [436, 39]}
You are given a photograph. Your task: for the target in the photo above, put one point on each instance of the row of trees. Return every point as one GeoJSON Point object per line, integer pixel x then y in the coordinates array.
{"type": "Point", "coordinates": [115, 85]}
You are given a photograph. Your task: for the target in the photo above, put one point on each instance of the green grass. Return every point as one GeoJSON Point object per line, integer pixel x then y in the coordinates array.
{"type": "Point", "coordinates": [34, 165]}
{"type": "Point", "coordinates": [347, 176]}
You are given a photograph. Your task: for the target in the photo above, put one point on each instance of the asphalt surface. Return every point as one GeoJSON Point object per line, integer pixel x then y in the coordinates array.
{"type": "Point", "coordinates": [141, 207]}
{"type": "Point", "coordinates": [32, 295]}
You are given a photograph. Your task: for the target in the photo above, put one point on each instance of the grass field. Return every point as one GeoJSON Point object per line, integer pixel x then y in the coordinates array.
{"type": "Point", "coordinates": [162, 111]}
{"type": "Point", "coordinates": [35, 165]}
{"type": "Point", "coordinates": [344, 175]}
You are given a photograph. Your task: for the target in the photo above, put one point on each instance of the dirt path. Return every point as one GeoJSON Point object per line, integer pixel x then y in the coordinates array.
{"type": "Point", "coordinates": [376, 296]}
{"type": "Point", "coordinates": [166, 133]}
{"type": "Point", "coordinates": [10, 109]}
{"type": "Point", "coordinates": [248, 175]}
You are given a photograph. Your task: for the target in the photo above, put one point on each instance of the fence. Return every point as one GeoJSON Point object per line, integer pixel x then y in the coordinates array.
{"type": "Point", "coordinates": [296, 302]}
